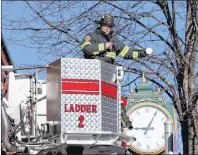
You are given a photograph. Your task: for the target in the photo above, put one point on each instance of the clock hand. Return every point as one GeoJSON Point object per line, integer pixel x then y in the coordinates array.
{"type": "Point", "coordinates": [144, 128]}
{"type": "Point", "coordinates": [149, 125]}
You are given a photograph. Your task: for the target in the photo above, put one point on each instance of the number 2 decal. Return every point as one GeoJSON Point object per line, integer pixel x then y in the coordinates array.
{"type": "Point", "coordinates": [81, 119]}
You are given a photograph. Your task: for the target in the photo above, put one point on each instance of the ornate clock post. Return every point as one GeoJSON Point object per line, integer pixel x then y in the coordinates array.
{"type": "Point", "coordinates": [148, 111]}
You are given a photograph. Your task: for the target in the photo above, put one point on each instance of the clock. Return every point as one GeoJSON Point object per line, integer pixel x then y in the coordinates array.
{"type": "Point", "coordinates": [148, 127]}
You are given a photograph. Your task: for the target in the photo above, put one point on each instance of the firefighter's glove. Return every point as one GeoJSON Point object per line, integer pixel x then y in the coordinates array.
{"type": "Point", "coordinates": [109, 45]}
{"type": "Point", "coordinates": [149, 51]}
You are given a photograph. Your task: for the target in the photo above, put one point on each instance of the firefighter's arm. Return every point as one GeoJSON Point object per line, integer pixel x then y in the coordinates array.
{"type": "Point", "coordinates": [125, 52]}
{"type": "Point", "coordinates": [89, 48]}
{"type": "Point", "coordinates": [128, 53]}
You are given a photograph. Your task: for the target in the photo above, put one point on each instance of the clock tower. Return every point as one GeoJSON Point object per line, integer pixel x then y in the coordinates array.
{"type": "Point", "coordinates": [148, 111]}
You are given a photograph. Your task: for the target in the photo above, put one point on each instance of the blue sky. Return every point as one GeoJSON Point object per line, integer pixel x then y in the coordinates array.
{"type": "Point", "coordinates": [26, 55]}
{"type": "Point", "coordinates": [22, 55]}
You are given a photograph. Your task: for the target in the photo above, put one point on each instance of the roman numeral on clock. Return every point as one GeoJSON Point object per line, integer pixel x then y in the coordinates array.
{"type": "Point", "coordinates": [146, 109]}
{"type": "Point", "coordinates": [138, 144]}
{"type": "Point", "coordinates": [148, 147]}
{"type": "Point", "coordinates": [137, 112]}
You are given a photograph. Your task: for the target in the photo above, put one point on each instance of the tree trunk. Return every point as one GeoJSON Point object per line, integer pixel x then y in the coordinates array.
{"type": "Point", "coordinates": [193, 135]}
{"type": "Point", "coordinates": [190, 135]}
{"type": "Point", "coordinates": [184, 133]}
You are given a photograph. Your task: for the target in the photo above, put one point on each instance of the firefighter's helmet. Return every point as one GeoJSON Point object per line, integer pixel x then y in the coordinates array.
{"type": "Point", "coordinates": [107, 19]}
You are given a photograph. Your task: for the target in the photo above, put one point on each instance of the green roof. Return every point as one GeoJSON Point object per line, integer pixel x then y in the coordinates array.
{"type": "Point", "coordinates": [144, 87]}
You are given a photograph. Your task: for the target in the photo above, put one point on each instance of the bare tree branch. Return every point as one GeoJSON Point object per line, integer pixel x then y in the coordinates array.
{"type": "Point", "coordinates": [51, 25]}
{"type": "Point", "coordinates": [141, 24]}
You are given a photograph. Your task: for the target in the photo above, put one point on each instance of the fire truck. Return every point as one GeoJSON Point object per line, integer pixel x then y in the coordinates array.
{"type": "Point", "coordinates": [75, 110]}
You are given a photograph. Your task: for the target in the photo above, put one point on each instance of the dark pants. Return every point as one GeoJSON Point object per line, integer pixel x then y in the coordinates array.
{"type": "Point", "coordinates": [126, 120]}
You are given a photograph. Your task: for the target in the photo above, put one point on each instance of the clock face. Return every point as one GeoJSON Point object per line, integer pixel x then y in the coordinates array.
{"type": "Point", "coordinates": [148, 128]}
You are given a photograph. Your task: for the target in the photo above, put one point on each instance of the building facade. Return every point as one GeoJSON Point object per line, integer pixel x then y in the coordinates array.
{"type": "Point", "coordinates": [5, 60]}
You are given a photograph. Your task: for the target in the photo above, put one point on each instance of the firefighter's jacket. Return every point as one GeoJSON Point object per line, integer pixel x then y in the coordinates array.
{"type": "Point", "coordinates": [94, 47]}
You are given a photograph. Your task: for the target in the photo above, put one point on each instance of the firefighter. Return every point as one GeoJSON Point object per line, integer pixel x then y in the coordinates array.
{"type": "Point", "coordinates": [102, 44]}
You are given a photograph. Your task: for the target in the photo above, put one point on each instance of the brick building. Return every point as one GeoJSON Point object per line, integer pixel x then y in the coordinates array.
{"type": "Point", "coordinates": [5, 60]}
